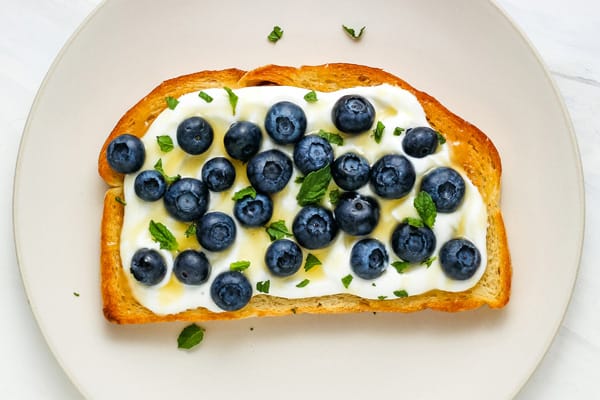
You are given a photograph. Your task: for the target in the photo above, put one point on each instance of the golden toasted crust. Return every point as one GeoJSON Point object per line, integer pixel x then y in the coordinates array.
{"type": "Point", "coordinates": [470, 148]}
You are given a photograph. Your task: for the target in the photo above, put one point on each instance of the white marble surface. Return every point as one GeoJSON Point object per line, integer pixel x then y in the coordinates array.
{"type": "Point", "coordinates": [565, 34]}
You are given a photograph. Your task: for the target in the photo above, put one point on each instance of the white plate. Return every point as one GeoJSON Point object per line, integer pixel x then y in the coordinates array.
{"type": "Point", "coordinates": [466, 53]}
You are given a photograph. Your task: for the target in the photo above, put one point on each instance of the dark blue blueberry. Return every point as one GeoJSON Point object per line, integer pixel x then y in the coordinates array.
{"type": "Point", "coordinates": [148, 266]}
{"type": "Point", "coordinates": [420, 142]}
{"type": "Point", "coordinates": [413, 244]}
{"type": "Point", "coordinates": [312, 153]}
{"type": "Point", "coordinates": [314, 227]}
{"type": "Point", "coordinates": [215, 231]}
{"type": "Point", "coordinates": [126, 153]}
{"type": "Point", "coordinates": [194, 135]}
{"type": "Point", "coordinates": [253, 211]}
{"type": "Point", "coordinates": [350, 171]}
{"type": "Point", "coordinates": [446, 188]}
{"type": "Point", "coordinates": [285, 122]}
{"type": "Point", "coordinates": [392, 176]}
{"type": "Point", "coordinates": [353, 114]}
{"type": "Point", "coordinates": [191, 267]}
{"type": "Point", "coordinates": [283, 257]}
{"type": "Point", "coordinates": [460, 259]}
{"type": "Point", "coordinates": [150, 185]}
{"type": "Point", "coordinates": [187, 199]}
{"type": "Point", "coordinates": [231, 290]}
{"type": "Point", "coordinates": [369, 258]}
{"type": "Point", "coordinates": [218, 173]}
{"type": "Point", "coordinates": [242, 140]}
{"type": "Point", "coordinates": [356, 214]}
{"type": "Point", "coordinates": [269, 171]}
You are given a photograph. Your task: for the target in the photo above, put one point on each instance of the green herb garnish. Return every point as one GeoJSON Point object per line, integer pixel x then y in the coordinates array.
{"type": "Point", "coordinates": [205, 96]}
{"type": "Point", "coordinates": [398, 131]}
{"type": "Point", "coordinates": [75, 294]}
{"type": "Point", "coordinates": [299, 179]}
{"type": "Point", "coordinates": [426, 208]}
{"type": "Point", "coordinates": [190, 336]}
{"type": "Point", "coordinates": [314, 186]}
{"type": "Point", "coordinates": [334, 196]}
{"type": "Point", "coordinates": [381, 297]}
{"type": "Point", "coordinates": [352, 33]}
{"type": "Point", "coordinates": [263, 286]}
{"type": "Point", "coordinates": [441, 139]}
{"type": "Point", "coordinates": [311, 261]}
{"type": "Point", "coordinates": [429, 261]}
{"type": "Point", "coordinates": [277, 230]}
{"type": "Point", "coordinates": [163, 236]}
{"type": "Point", "coordinates": [171, 102]}
{"type": "Point", "coordinates": [247, 191]}
{"type": "Point", "coordinates": [311, 96]}
{"type": "Point", "coordinates": [378, 132]}
{"type": "Point", "coordinates": [233, 99]}
{"type": "Point", "coordinates": [400, 293]}
{"type": "Point", "coordinates": [239, 265]}
{"type": "Point", "coordinates": [169, 179]}
{"type": "Point", "coordinates": [191, 230]}
{"type": "Point", "coordinates": [120, 201]}
{"type": "Point", "coordinates": [303, 283]}
{"type": "Point", "coordinates": [275, 34]}
{"type": "Point", "coordinates": [333, 138]}
{"type": "Point", "coordinates": [416, 222]}
{"type": "Point", "coordinates": [347, 280]}
{"type": "Point", "coordinates": [400, 266]}
{"type": "Point", "coordinates": [165, 143]}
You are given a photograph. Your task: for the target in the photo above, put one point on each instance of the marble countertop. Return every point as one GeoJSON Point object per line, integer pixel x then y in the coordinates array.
{"type": "Point", "coordinates": [566, 36]}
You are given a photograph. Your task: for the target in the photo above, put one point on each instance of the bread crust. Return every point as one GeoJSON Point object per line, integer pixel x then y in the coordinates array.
{"type": "Point", "coordinates": [470, 148]}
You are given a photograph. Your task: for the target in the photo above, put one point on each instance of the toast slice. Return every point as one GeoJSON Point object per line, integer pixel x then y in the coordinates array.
{"type": "Point", "coordinates": [470, 148]}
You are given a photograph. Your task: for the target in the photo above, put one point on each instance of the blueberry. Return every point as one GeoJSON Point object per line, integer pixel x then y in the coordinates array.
{"type": "Point", "coordinates": [312, 153]}
{"type": "Point", "coordinates": [420, 142]}
{"type": "Point", "coordinates": [215, 231]}
{"type": "Point", "coordinates": [285, 122]}
{"type": "Point", "coordinates": [187, 199]}
{"type": "Point", "coordinates": [392, 176]}
{"type": "Point", "coordinates": [253, 211]}
{"type": "Point", "coordinates": [218, 173]}
{"type": "Point", "coordinates": [242, 140]}
{"type": "Point", "coordinates": [231, 290]}
{"type": "Point", "coordinates": [194, 135]}
{"type": "Point", "coordinates": [314, 227]}
{"type": "Point", "coordinates": [191, 267]}
{"type": "Point", "coordinates": [150, 185]}
{"type": "Point", "coordinates": [459, 258]}
{"type": "Point", "coordinates": [369, 258]}
{"type": "Point", "coordinates": [446, 188]}
{"type": "Point", "coordinates": [356, 214]}
{"type": "Point", "coordinates": [269, 171]}
{"type": "Point", "coordinates": [413, 244]}
{"type": "Point", "coordinates": [283, 257]}
{"type": "Point", "coordinates": [126, 153]}
{"type": "Point", "coordinates": [148, 266]}
{"type": "Point", "coordinates": [353, 114]}
{"type": "Point", "coordinates": [350, 171]}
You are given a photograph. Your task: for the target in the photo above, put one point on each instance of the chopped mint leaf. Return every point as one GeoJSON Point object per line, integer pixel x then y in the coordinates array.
{"type": "Point", "coordinates": [332, 138]}
{"type": "Point", "coordinates": [169, 179]}
{"type": "Point", "coordinates": [75, 294]}
{"type": "Point", "coordinates": [205, 96]}
{"type": "Point", "coordinates": [191, 230]}
{"type": "Point", "coordinates": [347, 280]}
{"type": "Point", "coordinates": [275, 34]}
{"type": "Point", "coordinates": [239, 265]}
{"type": "Point", "coordinates": [378, 132]}
{"type": "Point", "coordinates": [299, 179]}
{"type": "Point", "coordinates": [233, 99]}
{"type": "Point", "coordinates": [429, 261]}
{"type": "Point", "coordinates": [400, 293]}
{"type": "Point", "coordinates": [381, 297]}
{"type": "Point", "coordinates": [163, 236]}
{"type": "Point", "coordinates": [247, 191]}
{"type": "Point", "coordinates": [426, 208]}
{"type": "Point", "coordinates": [334, 196]}
{"type": "Point", "coordinates": [263, 286]}
{"type": "Point", "coordinates": [441, 139]}
{"type": "Point", "coordinates": [311, 261]}
{"type": "Point", "coordinates": [311, 96]}
{"type": "Point", "coordinates": [352, 33]}
{"type": "Point", "coordinates": [278, 230]}
{"type": "Point", "coordinates": [171, 102]}
{"type": "Point", "coordinates": [314, 186]}
{"type": "Point", "coordinates": [190, 336]}
{"type": "Point", "coordinates": [373, 284]}
{"type": "Point", "coordinates": [120, 201]}
{"type": "Point", "coordinates": [165, 143]}
{"type": "Point", "coordinates": [303, 283]}
{"type": "Point", "coordinates": [400, 266]}
{"type": "Point", "coordinates": [398, 131]}
{"type": "Point", "coordinates": [416, 222]}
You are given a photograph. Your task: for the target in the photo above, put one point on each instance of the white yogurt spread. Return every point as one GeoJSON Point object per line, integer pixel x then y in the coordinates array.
{"type": "Point", "coordinates": [394, 107]}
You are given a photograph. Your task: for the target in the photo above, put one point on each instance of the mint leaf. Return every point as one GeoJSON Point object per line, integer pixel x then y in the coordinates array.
{"type": "Point", "coordinates": [75, 294]}
{"type": "Point", "coordinates": [311, 261]}
{"type": "Point", "coordinates": [165, 143]}
{"type": "Point", "coordinates": [205, 96]}
{"type": "Point", "coordinates": [191, 230]}
{"type": "Point", "coordinates": [416, 222]}
{"type": "Point", "coordinates": [239, 265]}
{"type": "Point", "coordinates": [240, 194]}
{"type": "Point", "coordinates": [171, 102]}
{"type": "Point", "coordinates": [381, 297]}
{"type": "Point", "coordinates": [275, 34]}
{"type": "Point", "coordinates": [314, 186]}
{"type": "Point", "coordinates": [400, 266]}
{"type": "Point", "coordinates": [299, 179]}
{"type": "Point", "coordinates": [169, 179]}
{"type": "Point", "coordinates": [426, 208]}
{"type": "Point", "coordinates": [190, 336]}
{"type": "Point", "coordinates": [441, 139]}
{"type": "Point", "coordinates": [311, 96]}
{"type": "Point", "coordinates": [263, 286]}
{"type": "Point", "coordinates": [120, 201]}
{"type": "Point", "coordinates": [378, 132]}
{"type": "Point", "coordinates": [332, 138]}
{"type": "Point", "coordinates": [352, 33]}
{"type": "Point", "coordinates": [400, 293]}
{"type": "Point", "coordinates": [163, 236]}
{"type": "Point", "coordinates": [429, 261]}
{"type": "Point", "coordinates": [398, 131]}
{"type": "Point", "coordinates": [303, 283]}
{"type": "Point", "coordinates": [334, 196]}
{"type": "Point", "coordinates": [233, 99]}
{"type": "Point", "coordinates": [278, 230]}
{"type": "Point", "coordinates": [347, 280]}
